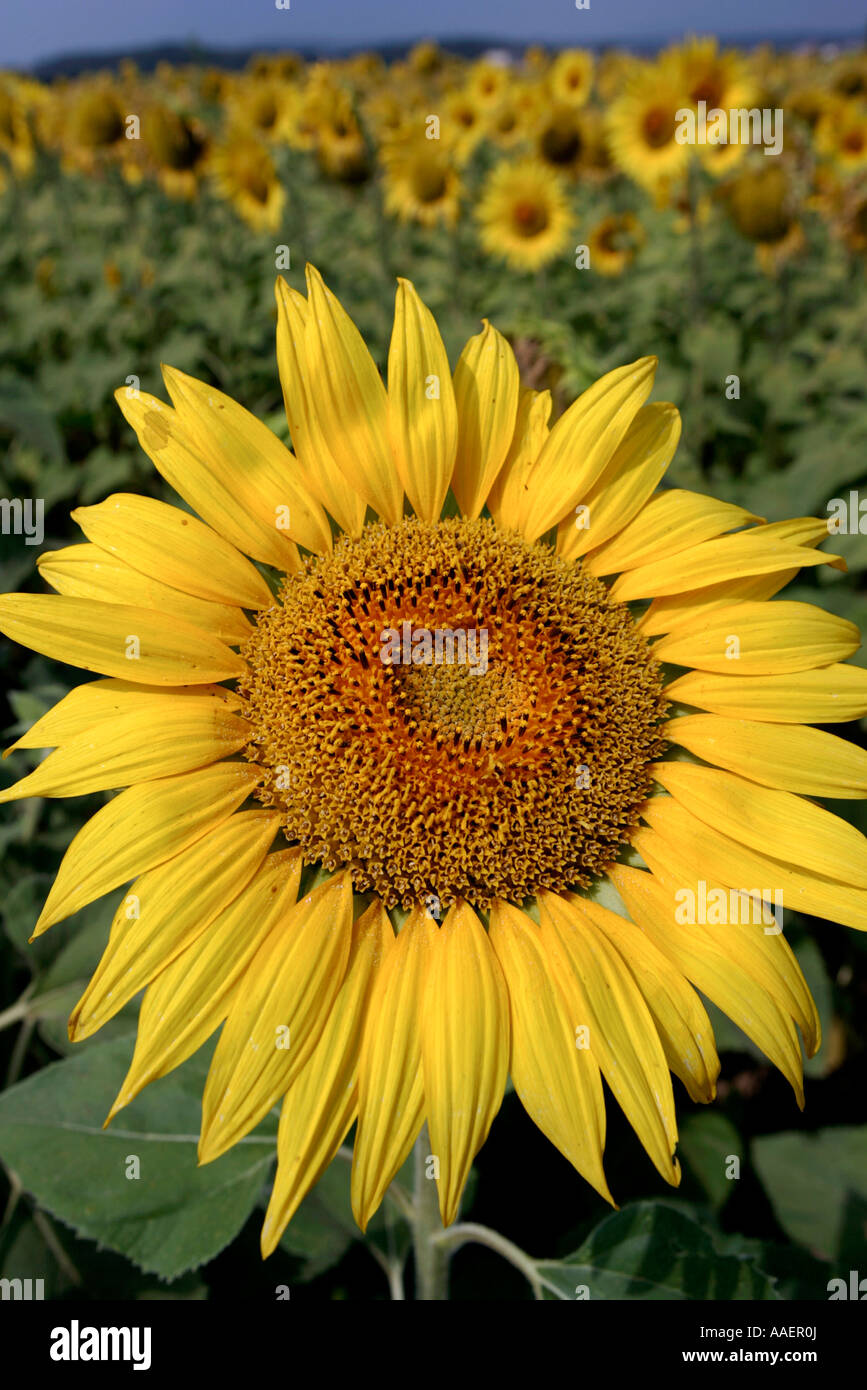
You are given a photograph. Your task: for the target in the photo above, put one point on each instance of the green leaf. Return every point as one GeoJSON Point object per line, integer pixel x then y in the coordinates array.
{"type": "Point", "coordinates": [707, 1143]}
{"type": "Point", "coordinates": [654, 1251]}
{"type": "Point", "coordinates": [172, 1218]}
{"type": "Point", "coordinates": [817, 1184]}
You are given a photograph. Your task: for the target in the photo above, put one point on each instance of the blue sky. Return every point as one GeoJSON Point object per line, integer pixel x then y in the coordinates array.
{"type": "Point", "coordinates": [33, 31]}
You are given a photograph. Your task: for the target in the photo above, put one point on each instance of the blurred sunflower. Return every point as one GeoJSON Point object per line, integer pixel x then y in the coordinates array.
{"type": "Point", "coordinates": [341, 149]}
{"type": "Point", "coordinates": [762, 206]}
{"type": "Point", "coordinates": [16, 139]}
{"type": "Point", "coordinates": [178, 148]}
{"type": "Point", "coordinates": [244, 174]}
{"type": "Point", "coordinates": [487, 83]}
{"type": "Point", "coordinates": [420, 183]}
{"type": "Point", "coordinates": [463, 125]}
{"type": "Point", "coordinates": [570, 77]}
{"type": "Point", "coordinates": [523, 214]}
{"type": "Point", "coordinates": [841, 135]}
{"type": "Point", "coordinates": [504, 802]}
{"type": "Point", "coordinates": [262, 107]}
{"type": "Point", "coordinates": [614, 243]}
{"type": "Point", "coordinates": [561, 139]}
{"type": "Point", "coordinates": [643, 124]}
{"type": "Point", "coordinates": [94, 128]}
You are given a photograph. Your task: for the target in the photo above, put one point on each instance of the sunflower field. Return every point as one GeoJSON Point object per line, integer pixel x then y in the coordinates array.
{"type": "Point", "coordinates": [547, 210]}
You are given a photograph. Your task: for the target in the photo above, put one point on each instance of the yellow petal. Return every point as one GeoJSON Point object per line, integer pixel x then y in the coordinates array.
{"type": "Point", "coordinates": [582, 444]}
{"type": "Point", "coordinates": [621, 491]}
{"type": "Point", "coordinates": [117, 640]}
{"type": "Point", "coordinates": [390, 1085]}
{"type": "Point", "coordinates": [349, 401]}
{"type": "Point", "coordinates": [603, 997]}
{"type": "Point", "coordinates": [557, 1082]}
{"type": "Point", "coordinates": [714, 562]}
{"type": "Point", "coordinates": [713, 854]}
{"type": "Point", "coordinates": [722, 980]}
{"type": "Point", "coordinates": [140, 828]}
{"type": "Point", "coordinates": [277, 1015]}
{"type": "Point", "coordinates": [771, 821]}
{"type": "Point", "coordinates": [320, 1106]}
{"type": "Point", "coordinates": [190, 998]}
{"type": "Point", "coordinates": [422, 418]}
{"type": "Point", "coordinates": [832, 695]}
{"type": "Point", "coordinates": [771, 638]}
{"type": "Point", "coordinates": [506, 497]}
{"type": "Point", "coordinates": [794, 759]}
{"type": "Point", "coordinates": [679, 610]}
{"type": "Point", "coordinates": [254, 482]}
{"type": "Point", "coordinates": [86, 571]}
{"type": "Point", "coordinates": [167, 909]}
{"type": "Point", "coordinates": [486, 394]}
{"type": "Point", "coordinates": [323, 474]}
{"type": "Point", "coordinates": [170, 545]}
{"type": "Point", "coordinates": [747, 935]}
{"type": "Point", "coordinates": [199, 472]}
{"type": "Point", "coordinates": [680, 1017]}
{"type": "Point", "coordinates": [465, 1048]}
{"type": "Point", "coordinates": [137, 746]}
{"type": "Point", "coordinates": [86, 705]}
{"type": "Point", "coordinates": [671, 521]}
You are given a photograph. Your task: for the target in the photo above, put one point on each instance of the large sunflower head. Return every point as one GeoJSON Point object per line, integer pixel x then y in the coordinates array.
{"type": "Point", "coordinates": [456, 732]}
{"type": "Point", "coordinates": [762, 205]}
{"type": "Point", "coordinates": [523, 214]}
{"type": "Point", "coordinates": [420, 182]}
{"type": "Point", "coordinates": [643, 124]}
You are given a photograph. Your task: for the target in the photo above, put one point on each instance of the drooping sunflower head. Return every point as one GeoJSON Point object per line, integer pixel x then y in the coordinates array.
{"type": "Point", "coordinates": [523, 214]}
{"type": "Point", "coordinates": [763, 207]}
{"type": "Point", "coordinates": [97, 120]}
{"type": "Point", "coordinates": [454, 717]}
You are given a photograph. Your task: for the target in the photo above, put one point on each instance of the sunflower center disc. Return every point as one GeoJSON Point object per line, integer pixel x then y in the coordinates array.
{"type": "Point", "coordinates": [450, 711]}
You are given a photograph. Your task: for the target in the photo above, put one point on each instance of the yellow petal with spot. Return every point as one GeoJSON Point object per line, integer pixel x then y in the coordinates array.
{"type": "Point", "coordinates": [760, 639]}
{"type": "Point", "coordinates": [773, 822]}
{"type": "Point", "coordinates": [140, 828]}
{"type": "Point", "coordinates": [86, 705]}
{"type": "Point", "coordinates": [486, 385]}
{"type": "Point", "coordinates": [167, 909]}
{"type": "Point", "coordinates": [422, 417]}
{"type": "Point", "coordinates": [582, 444]}
{"type": "Point", "coordinates": [167, 544]}
{"type": "Point", "coordinates": [710, 853]}
{"type": "Point", "coordinates": [255, 477]}
{"type": "Point", "coordinates": [653, 908]}
{"type": "Point", "coordinates": [117, 640]}
{"type": "Point", "coordinates": [390, 1084]}
{"type": "Point", "coordinates": [602, 995]}
{"type": "Point", "coordinates": [748, 935]}
{"type": "Point", "coordinates": [619, 494]}
{"type": "Point", "coordinates": [319, 1108]}
{"type": "Point", "coordinates": [349, 400]}
{"type": "Point", "coordinates": [557, 1082]}
{"type": "Point", "coordinates": [671, 521]}
{"type": "Point", "coordinates": [795, 759]}
{"type": "Point", "coordinates": [323, 474]}
{"type": "Point", "coordinates": [506, 497]}
{"type": "Point", "coordinates": [681, 1019]}
{"type": "Point", "coordinates": [86, 571]}
{"type": "Point", "coordinates": [833, 695]}
{"type": "Point", "coordinates": [277, 1016]}
{"type": "Point", "coordinates": [190, 998]}
{"type": "Point", "coordinates": [714, 562]}
{"type": "Point", "coordinates": [136, 747]}
{"type": "Point", "coordinates": [465, 1048]}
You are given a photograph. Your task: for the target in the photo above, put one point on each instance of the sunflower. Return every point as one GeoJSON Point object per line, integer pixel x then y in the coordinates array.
{"type": "Point", "coordinates": [761, 204]}
{"type": "Point", "coordinates": [516, 819]}
{"type": "Point", "coordinates": [643, 124]}
{"type": "Point", "coordinates": [177, 147]}
{"type": "Point", "coordinates": [244, 173]}
{"type": "Point", "coordinates": [570, 78]}
{"type": "Point", "coordinates": [841, 135]}
{"type": "Point", "coordinates": [561, 139]}
{"type": "Point", "coordinates": [420, 182]}
{"type": "Point", "coordinates": [463, 124]}
{"type": "Point", "coordinates": [523, 214]}
{"type": "Point", "coordinates": [262, 107]}
{"type": "Point", "coordinates": [16, 139]}
{"type": "Point", "coordinates": [614, 242]}
{"type": "Point", "coordinates": [341, 150]}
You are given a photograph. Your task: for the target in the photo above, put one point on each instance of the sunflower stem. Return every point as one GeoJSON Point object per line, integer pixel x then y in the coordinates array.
{"type": "Point", "coordinates": [468, 1232]}
{"type": "Point", "coordinates": [431, 1259]}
